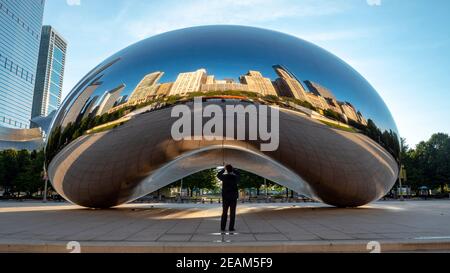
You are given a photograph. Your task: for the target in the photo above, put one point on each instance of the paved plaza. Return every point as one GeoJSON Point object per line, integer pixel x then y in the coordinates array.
{"type": "Point", "coordinates": [305, 227]}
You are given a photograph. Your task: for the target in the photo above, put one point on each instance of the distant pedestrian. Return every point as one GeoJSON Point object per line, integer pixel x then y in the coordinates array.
{"type": "Point", "coordinates": [230, 195]}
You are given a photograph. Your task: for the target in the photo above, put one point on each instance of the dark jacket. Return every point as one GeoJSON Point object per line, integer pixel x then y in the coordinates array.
{"type": "Point", "coordinates": [229, 184]}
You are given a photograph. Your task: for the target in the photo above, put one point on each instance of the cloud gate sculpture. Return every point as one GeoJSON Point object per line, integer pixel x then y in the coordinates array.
{"type": "Point", "coordinates": [112, 140]}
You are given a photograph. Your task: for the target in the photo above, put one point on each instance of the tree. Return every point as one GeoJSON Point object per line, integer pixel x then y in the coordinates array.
{"type": "Point", "coordinates": [250, 180]}
{"type": "Point", "coordinates": [10, 169]}
{"type": "Point", "coordinates": [433, 158]}
{"type": "Point", "coordinates": [429, 163]}
{"type": "Point", "coordinates": [202, 180]}
{"type": "Point", "coordinates": [21, 171]}
{"type": "Point", "coordinates": [29, 179]}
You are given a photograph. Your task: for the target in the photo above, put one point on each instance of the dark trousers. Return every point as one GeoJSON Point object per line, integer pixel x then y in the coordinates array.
{"type": "Point", "coordinates": [228, 204]}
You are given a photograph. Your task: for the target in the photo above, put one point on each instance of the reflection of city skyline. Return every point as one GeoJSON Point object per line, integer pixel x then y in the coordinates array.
{"type": "Point", "coordinates": [287, 85]}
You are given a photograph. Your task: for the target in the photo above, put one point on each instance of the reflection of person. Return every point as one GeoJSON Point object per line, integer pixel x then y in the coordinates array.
{"type": "Point", "coordinates": [230, 195]}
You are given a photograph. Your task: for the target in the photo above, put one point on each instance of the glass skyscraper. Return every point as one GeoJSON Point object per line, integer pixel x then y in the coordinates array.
{"type": "Point", "coordinates": [50, 73]}
{"type": "Point", "coordinates": [20, 35]}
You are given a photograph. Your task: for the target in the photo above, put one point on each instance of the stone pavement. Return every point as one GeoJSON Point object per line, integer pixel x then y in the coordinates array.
{"type": "Point", "coordinates": [310, 227]}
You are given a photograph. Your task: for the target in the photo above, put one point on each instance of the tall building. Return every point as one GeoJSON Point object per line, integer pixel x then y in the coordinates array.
{"type": "Point", "coordinates": [222, 86]}
{"type": "Point", "coordinates": [317, 101]}
{"type": "Point", "coordinates": [334, 105]}
{"type": "Point", "coordinates": [257, 83]}
{"type": "Point", "coordinates": [81, 103]}
{"type": "Point", "coordinates": [164, 89]}
{"type": "Point", "coordinates": [288, 85]}
{"type": "Point", "coordinates": [210, 79]}
{"type": "Point", "coordinates": [189, 82]}
{"type": "Point", "coordinates": [50, 73]}
{"type": "Point", "coordinates": [319, 90]}
{"type": "Point", "coordinates": [109, 99]}
{"type": "Point", "coordinates": [20, 35]}
{"type": "Point", "coordinates": [147, 87]}
{"type": "Point", "coordinates": [350, 111]}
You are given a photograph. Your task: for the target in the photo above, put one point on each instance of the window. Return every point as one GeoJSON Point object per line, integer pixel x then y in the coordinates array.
{"type": "Point", "coordinates": [58, 54]}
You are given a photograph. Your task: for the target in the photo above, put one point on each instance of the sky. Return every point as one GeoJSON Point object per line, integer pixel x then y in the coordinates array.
{"type": "Point", "coordinates": [402, 47]}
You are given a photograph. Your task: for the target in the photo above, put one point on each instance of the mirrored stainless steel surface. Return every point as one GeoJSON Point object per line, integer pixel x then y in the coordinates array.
{"type": "Point", "coordinates": [111, 142]}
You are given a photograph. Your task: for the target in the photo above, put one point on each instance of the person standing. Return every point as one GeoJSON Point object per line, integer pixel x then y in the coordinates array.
{"type": "Point", "coordinates": [230, 195]}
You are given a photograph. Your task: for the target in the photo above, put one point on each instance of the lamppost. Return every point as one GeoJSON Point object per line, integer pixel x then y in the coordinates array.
{"type": "Point", "coordinates": [401, 177]}
{"type": "Point", "coordinates": [45, 177]}
{"type": "Point", "coordinates": [267, 190]}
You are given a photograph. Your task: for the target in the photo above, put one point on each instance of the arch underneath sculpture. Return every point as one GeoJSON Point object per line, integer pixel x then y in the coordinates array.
{"type": "Point", "coordinates": [215, 156]}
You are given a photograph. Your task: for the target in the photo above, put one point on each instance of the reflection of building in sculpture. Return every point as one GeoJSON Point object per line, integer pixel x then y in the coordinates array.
{"type": "Point", "coordinates": [258, 84]}
{"type": "Point", "coordinates": [109, 100]}
{"type": "Point", "coordinates": [351, 113]}
{"type": "Point", "coordinates": [146, 88]}
{"type": "Point", "coordinates": [318, 102]}
{"type": "Point", "coordinates": [210, 79]}
{"type": "Point", "coordinates": [188, 82]}
{"type": "Point", "coordinates": [288, 85]}
{"type": "Point", "coordinates": [222, 87]}
{"type": "Point", "coordinates": [80, 103]}
{"type": "Point", "coordinates": [89, 107]}
{"type": "Point", "coordinates": [319, 90]}
{"type": "Point", "coordinates": [317, 95]}
{"type": "Point", "coordinates": [361, 119]}
{"type": "Point", "coordinates": [121, 100]}
{"type": "Point", "coordinates": [164, 89]}
{"type": "Point", "coordinates": [334, 105]}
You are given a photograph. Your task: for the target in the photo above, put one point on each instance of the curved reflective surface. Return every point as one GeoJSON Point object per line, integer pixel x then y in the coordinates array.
{"type": "Point", "coordinates": [111, 140]}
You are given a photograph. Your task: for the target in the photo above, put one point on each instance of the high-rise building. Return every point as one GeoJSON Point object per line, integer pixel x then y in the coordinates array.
{"type": "Point", "coordinates": [82, 101]}
{"type": "Point", "coordinates": [164, 89]}
{"type": "Point", "coordinates": [334, 105]}
{"type": "Point", "coordinates": [147, 87]}
{"type": "Point", "coordinates": [350, 111]}
{"type": "Point", "coordinates": [288, 85]}
{"type": "Point", "coordinates": [210, 79]}
{"type": "Point", "coordinates": [109, 100]}
{"type": "Point", "coordinates": [20, 36]}
{"type": "Point", "coordinates": [317, 101]}
{"type": "Point", "coordinates": [223, 86]}
{"type": "Point", "coordinates": [50, 73]}
{"type": "Point", "coordinates": [257, 83]}
{"type": "Point", "coordinates": [319, 90]}
{"type": "Point", "coordinates": [189, 82]}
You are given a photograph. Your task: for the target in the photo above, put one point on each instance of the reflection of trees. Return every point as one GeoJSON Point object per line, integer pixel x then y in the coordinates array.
{"type": "Point", "coordinates": [60, 137]}
{"type": "Point", "coordinates": [387, 139]}
{"type": "Point", "coordinates": [333, 115]}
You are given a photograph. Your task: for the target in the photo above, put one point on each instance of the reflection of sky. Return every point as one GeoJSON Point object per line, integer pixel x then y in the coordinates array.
{"type": "Point", "coordinates": [229, 52]}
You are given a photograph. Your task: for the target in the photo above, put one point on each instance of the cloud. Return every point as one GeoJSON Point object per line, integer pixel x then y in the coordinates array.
{"type": "Point", "coordinates": [73, 2]}
{"type": "Point", "coordinates": [206, 12]}
{"type": "Point", "coordinates": [337, 35]}
{"type": "Point", "coordinates": [374, 2]}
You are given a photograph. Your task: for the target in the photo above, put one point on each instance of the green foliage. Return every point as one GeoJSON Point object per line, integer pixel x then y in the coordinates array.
{"type": "Point", "coordinates": [333, 115]}
{"type": "Point", "coordinates": [202, 180]}
{"type": "Point", "coordinates": [429, 163]}
{"type": "Point", "coordinates": [300, 102]}
{"type": "Point", "coordinates": [21, 172]}
{"type": "Point", "coordinates": [250, 180]}
{"type": "Point", "coordinates": [272, 98]}
{"type": "Point", "coordinates": [388, 139]}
